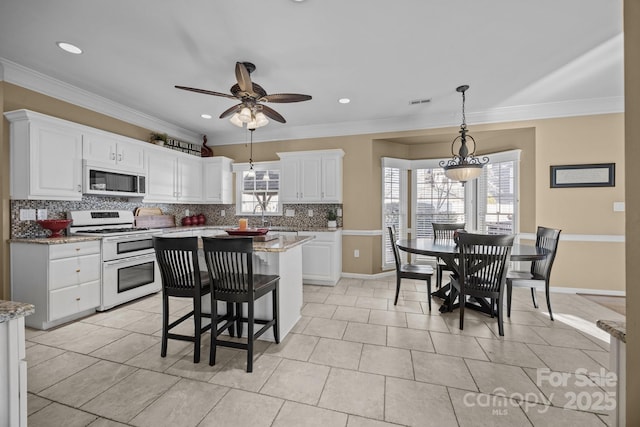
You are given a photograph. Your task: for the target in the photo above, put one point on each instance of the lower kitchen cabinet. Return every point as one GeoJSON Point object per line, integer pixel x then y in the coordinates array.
{"type": "Point", "coordinates": [61, 280]}
{"type": "Point", "coordinates": [322, 257]}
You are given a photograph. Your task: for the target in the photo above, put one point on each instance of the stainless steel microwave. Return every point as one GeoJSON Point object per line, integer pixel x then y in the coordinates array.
{"type": "Point", "coordinates": [106, 181]}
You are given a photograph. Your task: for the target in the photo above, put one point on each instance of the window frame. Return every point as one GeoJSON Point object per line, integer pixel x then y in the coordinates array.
{"type": "Point", "coordinates": [403, 166]}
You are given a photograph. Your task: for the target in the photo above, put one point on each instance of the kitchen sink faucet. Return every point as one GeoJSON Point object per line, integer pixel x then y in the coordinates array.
{"type": "Point", "coordinates": [262, 207]}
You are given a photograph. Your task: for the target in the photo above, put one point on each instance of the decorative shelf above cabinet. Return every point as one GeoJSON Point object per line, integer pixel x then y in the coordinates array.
{"type": "Point", "coordinates": [311, 176]}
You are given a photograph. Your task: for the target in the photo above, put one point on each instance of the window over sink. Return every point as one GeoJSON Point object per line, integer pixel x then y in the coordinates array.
{"type": "Point", "coordinates": [258, 189]}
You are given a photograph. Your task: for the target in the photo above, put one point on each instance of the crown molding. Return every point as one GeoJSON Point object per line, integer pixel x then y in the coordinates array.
{"type": "Point", "coordinates": [30, 79]}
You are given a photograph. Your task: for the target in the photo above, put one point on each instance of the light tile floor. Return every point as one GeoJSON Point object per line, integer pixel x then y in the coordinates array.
{"type": "Point", "coordinates": [353, 360]}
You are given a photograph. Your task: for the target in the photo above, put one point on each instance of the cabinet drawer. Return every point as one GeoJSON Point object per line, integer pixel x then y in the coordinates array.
{"type": "Point", "coordinates": [74, 249]}
{"type": "Point", "coordinates": [73, 271]}
{"type": "Point", "coordinates": [73, 299]}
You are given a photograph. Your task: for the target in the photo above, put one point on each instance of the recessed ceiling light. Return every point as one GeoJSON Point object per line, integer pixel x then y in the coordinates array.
{"type": "Point", "coordinates": [205, 116]}
{"type": "Point", "coordinates": [297, 1]}
{"type": "Point", "coordinates": [344, 100]}
{"type": "Point", "coordinates": [68, 47]}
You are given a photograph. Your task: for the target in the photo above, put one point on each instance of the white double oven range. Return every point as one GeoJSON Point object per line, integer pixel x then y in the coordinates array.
{"type": "Point", "coordinates": [129, 267]}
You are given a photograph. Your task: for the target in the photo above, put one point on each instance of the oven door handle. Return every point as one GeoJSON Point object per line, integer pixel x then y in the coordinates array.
{"type": "Point", "coordinates": [147, 257]}
{"type": "Point", "coordinates": [131, 237]}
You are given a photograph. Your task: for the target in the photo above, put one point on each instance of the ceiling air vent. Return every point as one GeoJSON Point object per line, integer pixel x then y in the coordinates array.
{"type": "Point", "coordinates": [419, 101]}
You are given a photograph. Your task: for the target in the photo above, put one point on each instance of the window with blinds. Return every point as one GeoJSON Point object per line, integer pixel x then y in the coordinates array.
{"type": "Point", "coordinates": [438, 199]}
{"type": "Point", "coordinates": [497, 198]}
{"type": "Point", "coordinates": [394, 205]}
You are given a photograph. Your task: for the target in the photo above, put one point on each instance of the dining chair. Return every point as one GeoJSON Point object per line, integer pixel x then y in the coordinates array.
{"type": "Point", "coordinates": [539, 276]}
{"type": "Point", "coordinates": [230, 266]}
{"type": "Point", "coordinates": [181, 278]}
{"type": "Point", "coordinates": [444, 231]}
{"type": "Point", "coordinates": [409, 271]}
{"type": "Point", "coordinates": [483, 270]}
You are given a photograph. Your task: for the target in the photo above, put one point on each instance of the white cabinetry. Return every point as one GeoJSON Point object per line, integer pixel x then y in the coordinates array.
{"type": "Point", "coordinates": [46, 157]}
{"type": "Point", "coordinates": [114, 150]}
{"type": "Point", "coordinates": [13, 371]}
{"type": "Point", "coordinates": [311, 176]}
{"type": "Point", "coordinates": [322, 257]}
{"type": "Point", "coordinates": [61, 280]}
{"type": "Point", "coordinates": [217, 180]}
{"type": "Point", "coordinates": [173, 176]}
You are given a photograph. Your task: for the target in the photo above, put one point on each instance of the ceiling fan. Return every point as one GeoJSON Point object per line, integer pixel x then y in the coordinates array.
{"type": "Point", "coordinates": [250, 110]}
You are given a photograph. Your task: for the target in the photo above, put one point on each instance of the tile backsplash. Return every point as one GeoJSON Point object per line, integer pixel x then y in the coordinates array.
{"type": "Point", "coordinates": [58, 210]}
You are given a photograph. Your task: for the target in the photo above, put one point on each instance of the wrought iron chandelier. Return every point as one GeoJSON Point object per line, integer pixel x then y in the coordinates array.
{"type": "Point", "coordinates": [464, 166]}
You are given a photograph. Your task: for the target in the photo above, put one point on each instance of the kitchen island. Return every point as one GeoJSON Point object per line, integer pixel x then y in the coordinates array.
{"type": "Point", "coordinates": [281, 256]}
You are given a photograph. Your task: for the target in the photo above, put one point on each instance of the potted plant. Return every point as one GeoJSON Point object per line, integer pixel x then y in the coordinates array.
{"type": "Point", "coordinates": [332, 218]}
{"type": "Point", "coordinates": [158, 138]}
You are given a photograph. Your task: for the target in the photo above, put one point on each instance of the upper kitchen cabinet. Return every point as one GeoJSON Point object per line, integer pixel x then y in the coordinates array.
{"type": "Point", "coordinates": [46, 157]}
{"type": "Point", "coordinates": [172, 176]}
{"type": "Point", "coordinates": [311, 176]}
{"type": "Point", "coordinates": [113, 150]}
{"type": "Point", "coordinates": [218, 185]}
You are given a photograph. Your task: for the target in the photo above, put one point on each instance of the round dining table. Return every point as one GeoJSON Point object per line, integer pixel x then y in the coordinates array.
{"type": "Point", "coordinates": [447, 250]}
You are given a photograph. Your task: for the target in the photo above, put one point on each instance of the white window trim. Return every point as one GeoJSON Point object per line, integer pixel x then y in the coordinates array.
{"type": "Point", "coordinates": [238, 168]}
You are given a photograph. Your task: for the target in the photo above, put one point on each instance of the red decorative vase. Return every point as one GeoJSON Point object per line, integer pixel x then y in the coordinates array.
{"type": "Point", "coordinates": [202, 219]}
{"type": "Point", "coordinates": [186, 220]}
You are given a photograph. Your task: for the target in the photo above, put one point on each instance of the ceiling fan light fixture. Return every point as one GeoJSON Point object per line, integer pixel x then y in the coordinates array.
{"type": "Point", "coordinates": [245, 115]}
{"type": "Point", "coordinates": [235, 119]}
{"type": "Point", "coordinates": [261, 120]}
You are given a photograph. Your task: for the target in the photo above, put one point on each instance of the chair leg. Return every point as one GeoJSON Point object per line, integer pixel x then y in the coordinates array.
{"type": "Point", "coordinates": [276, 315]}
{"type": "Point", "coordinates": [395, 302]}
{"type": "Point", "coordinates": [533, 297]}
{"type": "Point", "coordinates": [250, 337]}
{"type": "Point", "coordinates": [462, 303]}
{"type": "Point", "coordinates": [429, 291]}
{"type": "Point", "coordinates": [500, 316]}
{"type": "Point", "coordinates": [214, 330]}
{"type": "Point", "coordinates": [493, 307]}
{"type": "Point", "coordinates": [230, 315]}
{"type": "Point", "coordinates": [197, 323]}
{"type": "Point", "coordinates": [546, 290]}
{"type": "Point", "coordinates": [509, 293]}
{"type": "Point", "coordinates": [165, 324]}
{"type": "Point", "coordinates": [239, 321]}
{"type": "Point", "coordinates": [438, 276]}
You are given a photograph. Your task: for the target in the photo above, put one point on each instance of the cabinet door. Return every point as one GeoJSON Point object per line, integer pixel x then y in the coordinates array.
{"type": "Point", "coordinates": [55, 162]}
{"type": "Point", "coordinates": [161, 176]}
{"type": "Point", "coordinates": [317, 261]}
{"type": "Point", "coordinates": [130, 156]}
{"type": "Point", "coordinates": [99, 148]}
{"type": "Point", "coordinates": [332, 179]}
{"type": "Point", "coordinates": [189, 179]}
{"type": "Point", "coordinates": [217, 184]}
{"type": "Point", "coordinates": [289, 180]}
{"type": "Point", "coordinates": [310, 172]}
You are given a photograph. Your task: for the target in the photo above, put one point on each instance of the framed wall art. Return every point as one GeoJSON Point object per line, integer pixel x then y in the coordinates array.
{"type": "Point", "coordinates": [587, 175]}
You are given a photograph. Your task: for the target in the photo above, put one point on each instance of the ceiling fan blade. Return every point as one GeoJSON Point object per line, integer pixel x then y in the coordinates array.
{"type": "Point", "coordinates": [206, 92]}
{"type": "Point", "coordinates": [272, 114]}
{"type": "Point", "coordinates": [285, 97]}
{"type": "Point", "coordinates": [243, 77]}
{"type": "Point", "coordinates": [231, 110]}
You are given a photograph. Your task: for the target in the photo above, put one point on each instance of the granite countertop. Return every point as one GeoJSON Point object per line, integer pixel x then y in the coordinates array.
{"type": "Point", "coordinates": [617, 329]}
{"type": "Point", "coordinates": [281, 244]}
{"type": "Point", "coordinates": [10, 310]}
{"type": "Point", "coordinates": [55, 240]}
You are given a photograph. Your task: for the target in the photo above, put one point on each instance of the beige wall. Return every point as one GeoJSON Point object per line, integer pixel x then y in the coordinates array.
{"type": "Point", "coordinates": [587, 139]}
{"type": "Point", "coordinates": [632, 154]}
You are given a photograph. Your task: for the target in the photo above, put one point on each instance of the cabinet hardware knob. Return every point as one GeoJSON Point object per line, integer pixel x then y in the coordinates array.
{"type": "Point", "coordinates": [78, 270]}
{"type": "Point", "coordinates": [78, 299]}
{"type": "Point", "coordinates": [119, 157]}
{"type": "Point", "coordinates": [77, 249]}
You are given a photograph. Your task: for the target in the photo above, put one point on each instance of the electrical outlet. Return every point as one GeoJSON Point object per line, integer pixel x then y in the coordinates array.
{"type": "Point", "coordinates": [618, 206]}
{"type": "Point", "coordinates": [41, 214]}
{"type": "Point", "coordinates": [339, 212]}
{"type": "Point", "coordinates": [186, 212]}
{"type": "Point", "coordinates": [222, 212]}
{"type": "Point", "coordinates": [27, 214]}
{"type": "Point", "coordinates": [356, 253]}
{"type": "Point", "coordinates": [310, 212]}
{"type": "Point", "coordinates": [290, 212]}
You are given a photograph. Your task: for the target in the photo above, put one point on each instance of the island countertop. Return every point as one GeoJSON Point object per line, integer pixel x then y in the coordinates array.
{"type": "Point", "coordinates": [281, 244]}
{"type": "Point", "coordinates": [10, 310]}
